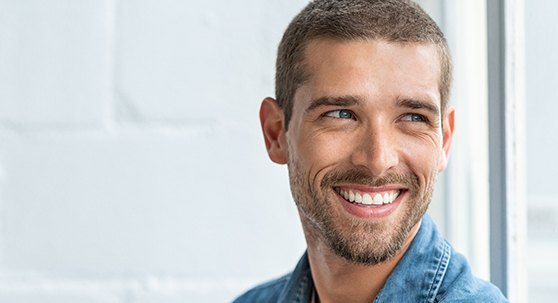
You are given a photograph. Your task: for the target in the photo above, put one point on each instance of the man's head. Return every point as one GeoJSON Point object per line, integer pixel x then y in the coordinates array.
{"type": "Point", "coordinates": [399, 21]}
{"type": "Point", "coordinates": [369, 129]}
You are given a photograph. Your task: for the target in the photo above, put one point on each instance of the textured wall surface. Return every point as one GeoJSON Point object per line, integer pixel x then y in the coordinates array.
{"type": "Point", "coordinates": [130, 151]}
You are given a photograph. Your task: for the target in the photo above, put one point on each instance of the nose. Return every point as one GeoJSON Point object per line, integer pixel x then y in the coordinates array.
{"type": "Point", "coordinates": [376, 150]}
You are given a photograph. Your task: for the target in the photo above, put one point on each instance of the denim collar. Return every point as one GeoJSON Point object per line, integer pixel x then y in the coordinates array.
{"type": "Point", "coordinates": [299, 287]}
{"type": "Point", "coordinates": [416, 278]}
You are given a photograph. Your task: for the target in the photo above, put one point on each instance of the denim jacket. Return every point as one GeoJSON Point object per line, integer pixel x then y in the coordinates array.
{"type": "Point", "coordinates": [430, 271]}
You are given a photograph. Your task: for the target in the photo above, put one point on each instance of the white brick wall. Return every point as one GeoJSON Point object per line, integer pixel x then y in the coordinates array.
{"type": "Point", "coordinates": [54, 63]}
{"type": "Point", "coordinates": [132, 169]}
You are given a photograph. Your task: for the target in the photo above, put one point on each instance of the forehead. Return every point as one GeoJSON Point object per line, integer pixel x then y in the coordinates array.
{"type": "Point", "coordinates": [371, 68]}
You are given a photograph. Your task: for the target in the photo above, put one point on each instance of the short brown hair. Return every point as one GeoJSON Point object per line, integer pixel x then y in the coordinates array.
{"type": "Point", "coordinates": [390, 20]}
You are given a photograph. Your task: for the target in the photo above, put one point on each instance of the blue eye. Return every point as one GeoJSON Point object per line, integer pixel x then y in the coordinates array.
{"type": "Point", "coordinates": [340, 114]}
{"type": "Point", "coordinates": [414, 118]}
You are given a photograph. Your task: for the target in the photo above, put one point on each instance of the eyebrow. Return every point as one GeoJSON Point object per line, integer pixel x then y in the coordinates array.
{"type": "Point", "coordinates": [332, 101]}
{"type": "Point", "coordinates": [418, 104]}
{"type": "Point", "coordinates": [352, 100]}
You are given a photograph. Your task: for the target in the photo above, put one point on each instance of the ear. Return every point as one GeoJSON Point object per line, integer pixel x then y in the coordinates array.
{"type": "Point", "coordinates": [447, 135]}
{"type": "Point", "coordinates": [272, 121]}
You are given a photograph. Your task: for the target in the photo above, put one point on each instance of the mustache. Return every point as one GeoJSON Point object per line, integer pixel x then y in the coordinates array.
{"type": "Point", "coordinates": [362, 177]}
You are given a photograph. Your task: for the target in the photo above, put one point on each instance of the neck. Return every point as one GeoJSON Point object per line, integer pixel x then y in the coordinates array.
{"type": "Point", "coordinates": [338, 280]}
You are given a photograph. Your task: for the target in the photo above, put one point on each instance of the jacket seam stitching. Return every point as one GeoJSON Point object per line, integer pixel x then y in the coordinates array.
{"type": "Point", "coordinates": [440, 272]}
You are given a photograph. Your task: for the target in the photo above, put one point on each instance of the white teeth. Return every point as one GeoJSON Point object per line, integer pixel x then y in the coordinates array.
{"type": "Point", "coordinates": [358, 198]}
{"type": "Point", "coordinates": [387, 198]}
{"type": "Point", "coordinates": [366, 199]}
{"type": "Point", "coordinates": [378, 200]}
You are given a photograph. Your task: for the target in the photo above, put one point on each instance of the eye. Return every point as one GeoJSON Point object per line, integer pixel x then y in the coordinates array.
{"type": "Point", "coordinates": [341, 114]}
{"type": "Point", "coordinates": [414, 118]}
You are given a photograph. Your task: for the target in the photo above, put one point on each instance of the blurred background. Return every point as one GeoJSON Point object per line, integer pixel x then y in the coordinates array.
{"type": "Point", "coordinates": [541, 47]}
{"type": "Point", "coordinates": [132, 168]}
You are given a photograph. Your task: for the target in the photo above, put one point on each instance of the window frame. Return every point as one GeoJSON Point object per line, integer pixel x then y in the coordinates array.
{"type": "Point", "coordinates": [505, 24]}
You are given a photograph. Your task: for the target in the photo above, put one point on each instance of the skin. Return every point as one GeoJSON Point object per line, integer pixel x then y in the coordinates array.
{"type": "Point", "coordinates": [368, 119]}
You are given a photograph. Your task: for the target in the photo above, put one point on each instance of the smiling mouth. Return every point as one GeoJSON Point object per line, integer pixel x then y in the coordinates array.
{"type": "Point", "coordinates": [368, 198]}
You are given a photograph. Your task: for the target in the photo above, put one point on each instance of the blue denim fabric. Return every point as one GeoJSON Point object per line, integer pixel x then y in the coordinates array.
{"type": "Point", "coordinates": [430, 271]}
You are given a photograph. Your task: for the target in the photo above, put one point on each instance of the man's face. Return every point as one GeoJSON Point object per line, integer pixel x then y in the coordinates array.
{"type": "Point", "coordinates": [365, 144]}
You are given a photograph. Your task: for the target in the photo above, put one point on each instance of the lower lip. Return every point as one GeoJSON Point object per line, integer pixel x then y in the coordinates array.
{"type": "Point", "coordinates": [370, 211]}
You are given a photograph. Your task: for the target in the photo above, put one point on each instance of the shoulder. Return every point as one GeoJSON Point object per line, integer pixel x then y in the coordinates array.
{"type": "Point", "coordinates": [264, 293]}
{"type": "Point", "coordinates": [460, 285]}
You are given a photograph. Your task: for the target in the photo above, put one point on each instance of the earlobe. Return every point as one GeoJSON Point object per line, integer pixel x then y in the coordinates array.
{"type": "Point", "coordinates": [447, 136]}
{"type": "Point", "coordinates": [272, 122]}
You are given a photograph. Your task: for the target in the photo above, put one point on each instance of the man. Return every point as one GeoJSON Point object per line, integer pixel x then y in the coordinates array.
{"type": "Point", "coordinates": [362, 122]}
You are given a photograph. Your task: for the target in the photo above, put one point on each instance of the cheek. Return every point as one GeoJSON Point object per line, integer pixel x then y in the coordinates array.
{"type": "Point", "coordinates": [322, 151]}
{"type": "Point", "coordinates": [422, 156]}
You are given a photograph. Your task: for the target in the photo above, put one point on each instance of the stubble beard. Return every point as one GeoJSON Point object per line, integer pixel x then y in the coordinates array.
{"type": "Point", "coordinates": [357, 240]}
